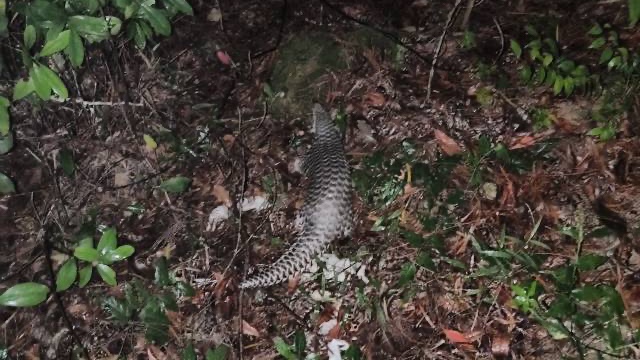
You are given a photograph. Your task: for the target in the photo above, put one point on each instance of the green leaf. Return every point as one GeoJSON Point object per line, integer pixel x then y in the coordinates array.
{"type": "Point", "coordinates": [588, 293]}
{"type": "Point", "coordinates": [121, 253]}
{"type": "Point", "coordinates": [6, 185]}
{"type": "Point", "coordinates": [53, 81]}
{"type": "Point", "coordinates": [86, 254]}
{"type": "Point", "coordinates": [634, 11]}
{"type": "Point", "coordinates": [66, 161]}
{"type": "Point", "coordinates": [595, 30]}
{"type": "Point", "coordinates": [85, 275]}
{"type": "Point", "coordinates": [135, 32]}
{"type": "Point", "coordinates": [557, 85]}
{"type": "Point", "coordinates": [66, 275]}
{"type": "Point", "coordinates": [567, 66]}
{"type": "Point", "coordinates": [150, 142]}
{"type": "Point", "coordinates": [5, 123]}
{"type": "Point", "coordinates": [42, 86]}
{"type": "Point", "coordinates": [221, 352]}
{"type": "Point", "coordinates": [181, 5]}
{"type": "Point", "coordinates": [162, 272]}
{"type": "Point", "coordinates": [176, 184]}
{"type": "Point", "coordinates": [22, 89]}
{"type": "Point", "coordinates": [108, 241]}
{"type": "Point", "coordinates": [86, 242]}
{"type": "Point", "coordinates": [24, 295]}
{"type": "Point", "coordinates": [156, 19]}
{"type": "Point", "coordinates": [75, 50]}
{"type": "Point", "coordinates": [606, 55]}
{"type": "Point", "coordinates": [155, 321]}
{"type": "Point", "coordinates": [569, 85]}
{"type": "Point", "coordinates": [547, 59]}
{"type": "Point", "coordinates": [516, 48]}
{"type": "Point", "coordinates": [182, 289]}
{"type": "Point", "coordinates": [57, 44]}
{"type": "Point", "coordinates": [107, 274]}
{"type": "Point", "coordinates": [299, 343]}
{"type": "Point", "coordinates": [526, 73]}
{"type": "Point", "coordinates": [425, 260]}
{"type": "Point", "coordinates": [531, 30]}
{"type": "Point", "coordinates": [598, 43]}
{"type": "Point", "coordinates": [540, 75]}
{"type": "Point", "coordinates": [29, 37]}
{"type": "Point", "coordinates": [188, 353]}
{"type": "Point", "coordinates": [283, 349]}
{"type": "Point", "coordinates": [615, 62]}
{"type": "Point", "coordinates": [95, 29]}
{"type": "Point", "coordinates": [589, 262]}
{"type": "Point", "coordinates": [6, 143]}
{"type": "Point", "coordinates": [407, 273]}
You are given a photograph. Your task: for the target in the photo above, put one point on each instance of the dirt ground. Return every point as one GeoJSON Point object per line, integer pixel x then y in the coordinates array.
{"type": "Point", "coordinates": [201, 94]}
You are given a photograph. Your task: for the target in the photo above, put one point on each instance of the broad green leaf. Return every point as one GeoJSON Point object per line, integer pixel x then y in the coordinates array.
{"type": "Point", "coordinates": [22, 89]}
{"type": "Point", "coordinates": [86, 254]}
{"type": "Point", "coordinates": [29, 37]}
{"type": "Point", "coordinates": [526, 73]}
{"type": "Point", "coordinates": [595, 30]}
{"type": "Point", "coordinates": [156, 19]}
{"type": "Point", "coordinates": [425, 260]}
{"type": "Point", "coordinates": [598, 43]}
{"type": "Point", "coordinates": [558, 85]}
{"type": "Point", "coordinates": [162, 272]}
{"type": "Point", "coordinates": [299, 343]}
{"type": "Point", "coordinates": [54, 81]}
{"type": "Point", "coordinates": [588, 293]}
{"type": "Point", "coordinates": [531, 30]}
{"type": "Point", "coordinates": [4, 116]}
{"type": "Point", "coordinates": [284, 349]}
{"type": "Point", "coordinates": [181, 5]}
{"type": "Point", "coordinates": [42, 87]}
{"type": "Point", "coordinates": [85, 275]}
{"type": "Point", "coordinates": [188, 353]}
{"type": "Point", "coordinates": [86, 242]}
{"type": "Point", "coordinates": [540, 75]}
{"type": "Point", "coordinates": [122, 252]}
{"type": "Point", "coordinates": [24, 295]}
{"type": "Point", "coordinates": [95, 29]}
{"type": "Point", "coordinates": [547, 59]}
{"type": "Point", "coordinates": [134, 31]}
{"type": "Point", "coordinates": [6, 143]}
{"type": "Point", "coordinates": [176, 184]}
{"type": "Point", "coordinates": [150, 142]}
{"type": "Point", "coordinates": [407, 273]}
{"type": "Point", "coordinates": [131, 10]}
{"type": "Point", "coordinates": [107, 274]}
{"type": "Point", "coordinates": [75, 50]}
{"type": "Point", "coordinates": [589, 262]}
{"type": "Point", "coordinates": [615, 62]}
{"type": "Point", "coordinates": [181, 289]}
{"type": "Point", "coordinates": [66, 275]}
{"type": "Point", "coordinates": [221, 352]}
{"type": "Point", "coordinates": [66, 161]}
{"type": "Point", "coordinates": [155, 321]}
{"type": "Point", "coordinates": [606, 55]}
{"type": "Point", "coordinates": [634, 11]}
{"type": "Point", "coordinates": [60, 42]}
{"type": "Point", "coordinates": [6, 185]}
{"type": "Point", "coordinates": [568, 86]}
{"type": "Point", "coordinates": [516, 48]}
{"type": "Point", "coordinates": [567, 66]}
{"type": "Point", "coordinates": [108, 241]}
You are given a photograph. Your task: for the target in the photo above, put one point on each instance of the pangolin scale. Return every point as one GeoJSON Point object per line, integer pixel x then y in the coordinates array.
{"type": "Point", "coordinates": [327, 210]}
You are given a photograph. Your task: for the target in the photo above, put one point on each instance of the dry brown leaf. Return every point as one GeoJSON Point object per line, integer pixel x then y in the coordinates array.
{"type": "Point", "coordinates": [375, 99]}
{"type": "Point", "coordinates": [229, 139]}
{"type": "Point", "coordinates": [121, 178]}
{"type": "Point", "coordinates": [447, 144]}
{"type": "Point", "coordinates": [522, 142]}
{"type": "Point", "coordinates": [247, 329]}
{"type": "Point", "coordinates": [222, 195]}
{"type": "Point", "coordinates": [630, 293]}
{"type": "Point", "coordinates": [334, 333]}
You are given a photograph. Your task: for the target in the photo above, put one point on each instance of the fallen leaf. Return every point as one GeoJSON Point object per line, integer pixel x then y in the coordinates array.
{"type": "Point", "coordinates": [223, 57]}
{"type": "Point", "coordinates": [500, 345]}
{"type": "Point", "coordinates": [375, 99]}
{"type": "Point", "coordinates": [448, 145]}
{"type": "Point", "coordinates": [249, 330]}
{"type": "Point", "coordinates": [222, 195]}
{"type": "Point", "coordinates": [456, 337]}
{"type": "Point", "coordinates": [522, 142]}
{"type": "Point", "coordinates": [214, 15]}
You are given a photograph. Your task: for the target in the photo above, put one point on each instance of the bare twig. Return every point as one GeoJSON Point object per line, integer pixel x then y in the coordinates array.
{"type": "Point", "coordinates": [439, 47]}
{"type": "Point", "coordinates": [495, 21]}
{"type": "Point", "coordinates": [467, 14]}
{"type": "Point", "coordinates": [97, 103]}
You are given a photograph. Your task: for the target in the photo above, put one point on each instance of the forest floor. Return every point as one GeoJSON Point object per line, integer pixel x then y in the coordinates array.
{"type": "Point", "coordinates": [494, 219]}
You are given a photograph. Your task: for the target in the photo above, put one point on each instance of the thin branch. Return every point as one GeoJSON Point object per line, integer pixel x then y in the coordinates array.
{"type": "Point", "coordinates": [439, 47]}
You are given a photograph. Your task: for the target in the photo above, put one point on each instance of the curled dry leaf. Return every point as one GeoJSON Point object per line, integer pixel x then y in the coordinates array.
{"type": "Point", "coordinates": [375, 99]}
{"type": "Point", "coordinates": [447, 144]}
{"type": "Point", "coordinates": [247, 329]}
{"type": "Point", "coordinates": [222, 195]}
